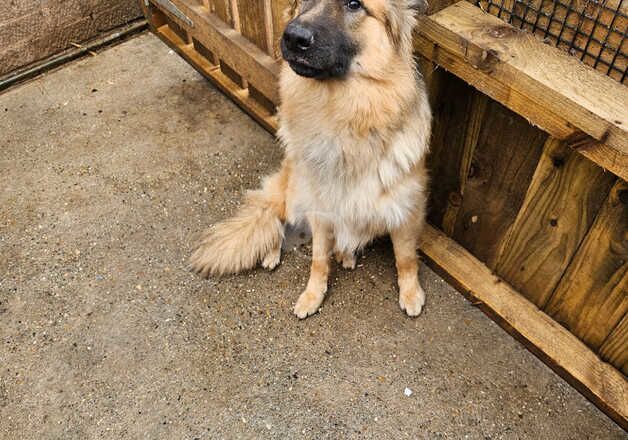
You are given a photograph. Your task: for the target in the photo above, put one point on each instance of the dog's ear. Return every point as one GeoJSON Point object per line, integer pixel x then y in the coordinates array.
{"type": "Point", "coordinates": [420, 6]}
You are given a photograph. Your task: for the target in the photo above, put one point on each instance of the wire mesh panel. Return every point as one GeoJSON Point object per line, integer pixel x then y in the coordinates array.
{"type": "Point", "coordinates": [592, 30]}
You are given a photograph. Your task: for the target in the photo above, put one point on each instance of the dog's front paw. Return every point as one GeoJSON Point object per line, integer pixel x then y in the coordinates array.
{"type": "Point", "coordinates": [272, 259]}
{"type": "Point", "coordinates": [412, 301]}
{"type": "Point", "coordinates": [308, 304]}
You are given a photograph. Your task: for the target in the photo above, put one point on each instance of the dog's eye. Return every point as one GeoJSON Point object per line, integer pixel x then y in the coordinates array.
{"type": "Point", "coordinates": [354, 5]}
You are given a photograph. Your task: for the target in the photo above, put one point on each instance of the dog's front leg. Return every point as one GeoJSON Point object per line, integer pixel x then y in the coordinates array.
{"type": "Point", "coordinates": [314, 293]}
{"type": "Point", "coordinates": [411, 295]}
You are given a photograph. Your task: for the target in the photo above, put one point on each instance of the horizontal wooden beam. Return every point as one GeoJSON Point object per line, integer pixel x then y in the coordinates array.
{"type": "Point", "coordinates": [550, 88]}
{"type": "Point", "coordinates": [547, 339]}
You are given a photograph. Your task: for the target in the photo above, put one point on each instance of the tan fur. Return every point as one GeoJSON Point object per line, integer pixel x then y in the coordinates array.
{"type": "Point", "coordinates": [354, 167]}
{"type": "Point", "coordinates": [253, 234]}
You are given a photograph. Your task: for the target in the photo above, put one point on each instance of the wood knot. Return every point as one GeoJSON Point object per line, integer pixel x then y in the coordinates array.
{"type": "Point", "coordinates": [501, 31]}
{"type": "Point", "coordinates": [558, 161]}
{"type": "Point", "coordinates": [554, 222]}
{"type": "Point", "coordinates": [622, 195]}
{"type": "Point", "coordinates": [455, 199]}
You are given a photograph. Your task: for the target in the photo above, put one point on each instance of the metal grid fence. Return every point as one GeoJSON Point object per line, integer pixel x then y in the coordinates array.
{"type": "Point", "coordinates": [592, 30]}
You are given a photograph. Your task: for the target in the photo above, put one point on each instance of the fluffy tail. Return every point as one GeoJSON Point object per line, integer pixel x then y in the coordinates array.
{"type": "Point", "coordinates": [255, 232]}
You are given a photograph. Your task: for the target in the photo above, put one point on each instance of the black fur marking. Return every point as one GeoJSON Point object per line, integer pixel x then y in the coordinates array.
{"type": "Point", "coordinates": [329, 54]}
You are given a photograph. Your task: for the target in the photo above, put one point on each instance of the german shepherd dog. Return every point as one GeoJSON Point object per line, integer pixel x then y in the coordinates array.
{"type": "Point", "coordinates": [355, 123]}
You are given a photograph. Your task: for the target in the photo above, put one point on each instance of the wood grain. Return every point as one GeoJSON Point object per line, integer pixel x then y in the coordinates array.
{"type": "Point", "coordinates": [566, 193]}
{"type": "Point", "coordinates": [253, 23]}
{"type": "Point", "coordinates": [592, 296]}
{"type": "Point", "coordinates": [613, 350]}
{"type": "Point", "coordinates": [222, 9]}
{"type": "Point", "coordinates": [542, 83]}
{"type": "Point", "coordinates": [279, 12]}
{"type": "Point", "coordinates": [455, 106]}
{"type": "Point", "coordinates": [502, 166]}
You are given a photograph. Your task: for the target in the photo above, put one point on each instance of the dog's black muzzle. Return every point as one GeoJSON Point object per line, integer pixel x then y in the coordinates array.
{"type": "Point", "coordinates": [316, 50]}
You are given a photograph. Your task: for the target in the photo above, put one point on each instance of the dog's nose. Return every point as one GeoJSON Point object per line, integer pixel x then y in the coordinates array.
{"type": "Point", "coordinates": [298, 38]}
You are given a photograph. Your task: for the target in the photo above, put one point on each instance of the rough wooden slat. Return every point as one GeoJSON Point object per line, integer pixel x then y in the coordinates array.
{"type": "Point", "coordinates": [279, 12]}
{"type": "Point", "coordinates": [255, 24]}
{"type": "Point", "coordinates": [32, 31]}
{"type": "Point", "coordinates": [566, 193]}
{"type": "Point", "coordinates": [223, 10]}
{"type": "Point", "coordinates": [554, 90]}
{"type": "Point", "coordinates": [591, 19]}
{"type": "Point", "coordinates": [592, 296]}
{"type": "Point", "coordinates": [613, 350]}
{"type": "Point", "coordinates": [252, 22]}
{"type": "Point", "coordinates": [553, 124]}
{"type": "Point", "coordinates": [496, 183]}
{"type": "Point", "coordinates": [561, 350]}
{"type": "Point", "coordinates": [455, 106]}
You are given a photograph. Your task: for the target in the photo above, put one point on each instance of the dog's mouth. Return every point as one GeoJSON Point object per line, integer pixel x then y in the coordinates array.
{"type": "Point", "coordinates": [303, 68]}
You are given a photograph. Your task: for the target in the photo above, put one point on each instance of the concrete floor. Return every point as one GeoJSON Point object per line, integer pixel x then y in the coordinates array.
{"type": "Point", "coordinates": [109, 167]}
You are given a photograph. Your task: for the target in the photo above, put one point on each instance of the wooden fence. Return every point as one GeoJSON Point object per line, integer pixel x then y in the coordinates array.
{"type": "Point", "coordinates": [529, 205]}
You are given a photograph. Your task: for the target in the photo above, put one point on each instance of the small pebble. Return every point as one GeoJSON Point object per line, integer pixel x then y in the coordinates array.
{"type": "Point", "coordinates": [407, 392]}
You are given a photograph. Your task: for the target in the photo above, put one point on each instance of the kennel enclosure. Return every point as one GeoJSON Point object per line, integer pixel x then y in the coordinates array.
{"type": "Point", "coordinates": [529, 158]}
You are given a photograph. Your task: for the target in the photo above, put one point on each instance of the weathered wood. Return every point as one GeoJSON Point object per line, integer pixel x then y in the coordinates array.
{"type": "Point", "coordinates": [32, 31]}
{"type": "Point", "coordinates": [502, 166]}
{"type": "Point", "coordinates": [613, 350]}
{"type": "Point", "coordinates": [279, 12]}
{"type": "Point", "coordinates": [566, 193]}
{"type": "Point", "coordinates": [590, 19]}
{"type": "Point", "coordinates": [455, 106]}
{"type": "Point", "coordinates": [566, 98]}
{"type": "Point", "coordinates": [592, 296]}
{"type": "Point", "coordinates": [252, 22]}
{"type": "Point", "coordinates": [222, 9]}
{"type": "Point", "coordinates": [547, 339]}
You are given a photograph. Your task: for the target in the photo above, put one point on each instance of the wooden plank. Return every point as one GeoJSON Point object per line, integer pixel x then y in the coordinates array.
{"type": "Point", "coordinates": [458, 110]}
{"type": "Point", "coordinates": [223, 10]}
{"type": "Point", "coordinates": [554, 90]}
{"type": "Point", "coordinates": [590, 18]}
{"type": "Point", "coordinates": [256, 67]}
{"type": "Point", "coordinates": [255, 24]}
{"type": "Point", "coordinates": [496, 183]}
{"type": "Point", "coordinates": [569, 357]}
{"type": "Point", "coordinates": [592, 296]}
{"type": "Point", "coordinates": [252, 22]}
{"type": "Point", "coordinates": [280, 15]}
{"type": "Point", "coordinates": [566, 193]}
{"type": "Point", "coordinates": [613, 350]}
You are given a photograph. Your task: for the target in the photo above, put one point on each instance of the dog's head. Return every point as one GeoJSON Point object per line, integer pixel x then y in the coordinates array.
{"type": "Point", "coordinates": [327, 38]}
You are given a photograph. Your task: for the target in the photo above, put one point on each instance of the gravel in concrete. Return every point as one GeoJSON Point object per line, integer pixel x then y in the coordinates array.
{"type": "Point", "coordinates": [109, 167]}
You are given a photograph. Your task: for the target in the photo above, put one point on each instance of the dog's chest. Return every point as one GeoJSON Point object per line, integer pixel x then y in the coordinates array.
{"type": "Point", "coordinates": [344, 175]}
